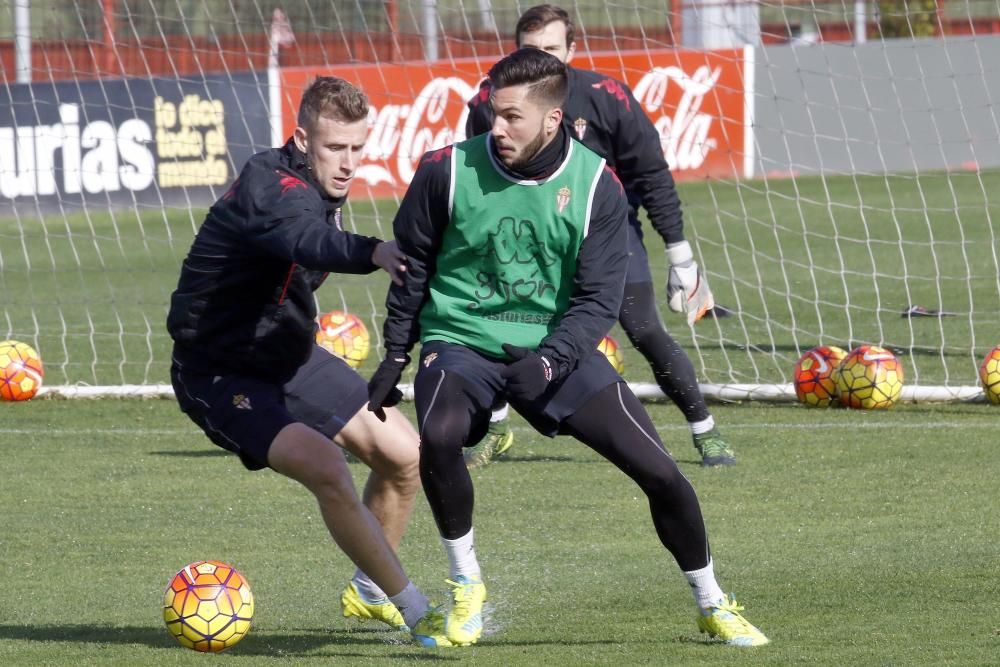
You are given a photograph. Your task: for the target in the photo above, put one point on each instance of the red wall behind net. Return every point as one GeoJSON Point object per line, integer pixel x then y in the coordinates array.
{"type": "Point", "coordinates": [185, 55]}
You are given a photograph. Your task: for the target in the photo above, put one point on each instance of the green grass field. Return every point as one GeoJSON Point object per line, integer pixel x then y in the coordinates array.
{"type": "Point", "coordinates": [803, 262]}
{"type": "Point", "coordinates": [853, 539]}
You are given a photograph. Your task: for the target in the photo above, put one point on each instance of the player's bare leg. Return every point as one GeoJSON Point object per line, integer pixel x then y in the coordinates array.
{"type": "Point", "coordinates": [314, 461]}
{"type": "Point", "coordinates": [311, 459]}
{"type": "Point", "coordinates": [391, 450]}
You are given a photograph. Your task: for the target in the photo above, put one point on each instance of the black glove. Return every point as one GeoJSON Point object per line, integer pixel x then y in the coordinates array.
{"type": "Point", "coordinates": [530, 374]}
{"type": "Point", "coordinates": [382, 390]}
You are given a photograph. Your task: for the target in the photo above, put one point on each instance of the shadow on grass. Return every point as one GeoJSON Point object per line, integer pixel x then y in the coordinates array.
{"type": "Point", "coordinates": [537, 458]}
{"type": "Point", "coordinates": [195, 453]}
{"type": "Point", "coordinates": [308, 642]}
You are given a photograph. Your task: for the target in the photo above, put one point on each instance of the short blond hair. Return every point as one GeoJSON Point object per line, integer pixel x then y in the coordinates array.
{"type": "Point", "coordinates": [331, 97]}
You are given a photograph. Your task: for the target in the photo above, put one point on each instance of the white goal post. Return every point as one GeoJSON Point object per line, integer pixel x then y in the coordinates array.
{"type": "Point", "coordinates": [836, 191]}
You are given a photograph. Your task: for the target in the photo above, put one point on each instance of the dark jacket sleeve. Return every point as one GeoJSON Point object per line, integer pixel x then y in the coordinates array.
{"type": "Point", "coordinates": [638, 159]}
{"type": "Point", "coordinates": [480, 118]}
{"type": "Point", "coordinates": [288, 219]}
{"type": "Point", "coordinates": [418, 227]}
{"type": "Point", "coordinates": [599, 281]}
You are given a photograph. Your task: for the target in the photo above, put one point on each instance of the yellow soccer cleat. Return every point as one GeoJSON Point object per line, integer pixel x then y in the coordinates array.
{"type": "Point", "coordinates": [498, 439]}
{"type": "Point", "coordinates": [429, 630]}
{"type": "Point", "coordinates": [725, 622]}
{"type": "Point", "coordinates": [464, 623]}
{"type": "Point", "coordinates": [353, 605]}
{"type": "Point", "coordinates": [504, 438]}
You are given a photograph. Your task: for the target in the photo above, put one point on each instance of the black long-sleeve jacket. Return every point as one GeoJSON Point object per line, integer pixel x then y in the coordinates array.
{"type": "Point", "coordinates": [603, 114]}
{"type": "Point", "coordinates": [419, 226]}
{"type": "Point", "coordinates": [244, 301]}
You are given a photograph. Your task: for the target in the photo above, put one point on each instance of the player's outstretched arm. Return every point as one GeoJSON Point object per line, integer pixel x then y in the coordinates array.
{"type": "Point", "coordinates": [390, 259]}
{"type": "Point", "coordinates": [645, 173]}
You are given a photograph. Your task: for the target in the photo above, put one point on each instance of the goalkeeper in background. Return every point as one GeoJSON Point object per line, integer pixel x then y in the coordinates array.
{"type": "Point", "coordinates": [605, 117]}
{"type": "Point", "coordinates": [517, 253]}
{"type": "Point", "coordinates": [246, 368]}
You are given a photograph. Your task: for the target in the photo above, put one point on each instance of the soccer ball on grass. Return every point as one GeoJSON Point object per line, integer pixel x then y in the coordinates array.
{"type": "Point", "coordinates": [20, 371]}
{"type": "Point", "coordinates": [989, 375]}
{"type": "Point", "coordinates": [344, 335]}
{"type": "Point", "coordinates": [208, 606]}
{"type": "Point", "coordinates": [869, 378]}
{"type": "Point", "coordinates": [815, 375]}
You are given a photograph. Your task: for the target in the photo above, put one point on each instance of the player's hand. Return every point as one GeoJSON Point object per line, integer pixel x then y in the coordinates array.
{"type": "Point", "coordinates": [530, 374]}
{"type": "Point", "coordinates": [391, 259]}
{"type": "Point", "coordinates": [382, 390]}
{"type": "Point", "coordinates": [687, 290]}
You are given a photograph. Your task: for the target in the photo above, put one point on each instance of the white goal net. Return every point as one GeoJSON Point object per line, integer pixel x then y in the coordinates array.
{"type": "Point", "coordinates": [838, 165]}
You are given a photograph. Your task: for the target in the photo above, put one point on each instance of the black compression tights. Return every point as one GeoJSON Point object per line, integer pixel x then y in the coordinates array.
{"type": "Point", "coordinates": [449, 419]}
{"type": "Point", "coordinates": [613, 423]}
{"type": "Point", "coordinates": [672, 368]}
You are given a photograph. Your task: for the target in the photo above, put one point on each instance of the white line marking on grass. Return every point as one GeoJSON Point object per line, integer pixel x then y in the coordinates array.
{"type": "Point", "coordinates": [95, 431]}
{"type": "Point", "coordinates": [729, 426]}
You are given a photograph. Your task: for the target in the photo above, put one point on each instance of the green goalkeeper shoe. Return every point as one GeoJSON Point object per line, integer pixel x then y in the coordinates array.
{"type": "Point", "coordinates": [714, 449]}
{"type": "Point", "coordinates": [497, 441]}
{"type": "Point", "coordinates": [464, 623]}
{"type": "Point", "coordinates": [355, 606]}
{"type": "Point", "coordinates": [725, 621]}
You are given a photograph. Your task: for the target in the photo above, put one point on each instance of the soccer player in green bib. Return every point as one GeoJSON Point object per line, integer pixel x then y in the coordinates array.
{"type": "Point", "coordinates": [517, 256]}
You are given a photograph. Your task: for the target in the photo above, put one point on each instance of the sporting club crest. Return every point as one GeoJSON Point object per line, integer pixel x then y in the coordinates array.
{"type": "Point", "coordinates": [562, 198]}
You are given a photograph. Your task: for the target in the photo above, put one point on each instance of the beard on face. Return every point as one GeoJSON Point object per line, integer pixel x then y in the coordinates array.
{"type": "Point", "coordinates": [530, 150]}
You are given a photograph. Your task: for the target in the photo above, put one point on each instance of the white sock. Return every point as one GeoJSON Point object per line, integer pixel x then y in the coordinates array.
{"type": "Point", "coordinates": [704, 586]}
{"type": "Point", "coordinates": [369, 590]}
{"type": "Point", "coordinates": [462, 556]}
{"type": "Point", "coordinates": [411, 603]}
{"type": "Point", "coordinates": [499, 414]}
{"type": "Point", "coordinates": [704, 426]}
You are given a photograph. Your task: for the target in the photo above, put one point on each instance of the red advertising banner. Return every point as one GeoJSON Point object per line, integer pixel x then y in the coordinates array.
{"type": "Point", "coordinates": [699, 102]}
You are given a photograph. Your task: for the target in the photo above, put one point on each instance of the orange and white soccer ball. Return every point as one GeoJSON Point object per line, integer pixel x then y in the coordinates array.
{"type": "Point", "coordinates": [815, 375]}
{"type": "Point", "coordinates": [989, 375]}
{"type": "Point", "coordinates": [208, 606]}
{"type": "Point", "coordinates": [869, 378]}
{"type": "Point", "coordinates": [344, 335]}
{"type": "Point", "coordinates": [21, 371]}
{"type": "Point", "coordinates": [610, 348]}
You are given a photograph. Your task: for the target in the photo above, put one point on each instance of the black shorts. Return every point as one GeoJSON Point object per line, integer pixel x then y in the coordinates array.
{"type": "Point", "coordinates": [244, 414]}
{"type": "Point", "coordinates": [638, 261]}
{"type": "Point", "coordinates": [482, 373]}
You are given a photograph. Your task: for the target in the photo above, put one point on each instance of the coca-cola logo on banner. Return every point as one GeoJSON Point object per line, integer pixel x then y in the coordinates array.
{"type": "Point", "coordinates": [401, 133]}
{"type": "Point", "coordinates": [695, 100]}
{"type": "Point", "coordinates": [684, 129]}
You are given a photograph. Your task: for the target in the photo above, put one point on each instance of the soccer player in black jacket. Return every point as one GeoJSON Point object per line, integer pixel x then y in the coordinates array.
{"type": "Point", "coordinates": [245, 365]}
{"type": "Point", "coordinates": [602, 113]}
{"type": "Point", "coordinates": [517, 254]}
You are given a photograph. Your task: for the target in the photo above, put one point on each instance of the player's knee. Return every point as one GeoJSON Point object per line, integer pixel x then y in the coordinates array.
{"type": "Point", "coordinates": [403, 471]}
{"type": "Point", "coordinates": [646, 334]}
{"type": "Point", "coordinates": [396, 455]}
{"type": "Point", "coordinates": [443, 436]}
{"type": "Point", "coordinates": [663, 480]}
{"type": "Point", "coordinates": [333, 486]}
